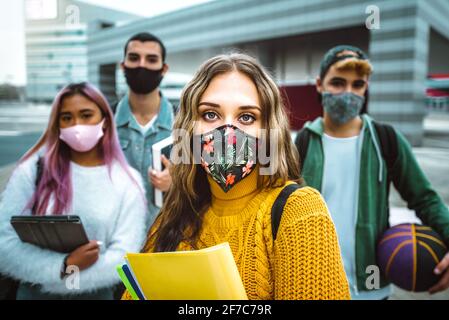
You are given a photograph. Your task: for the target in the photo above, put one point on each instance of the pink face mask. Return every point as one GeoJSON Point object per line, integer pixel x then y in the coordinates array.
{"type": "Point", "coordinates": [82, 138]}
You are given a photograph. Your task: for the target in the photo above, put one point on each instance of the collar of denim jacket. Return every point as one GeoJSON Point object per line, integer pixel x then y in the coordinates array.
{"type": "Point", "coordinates": [164, 118]}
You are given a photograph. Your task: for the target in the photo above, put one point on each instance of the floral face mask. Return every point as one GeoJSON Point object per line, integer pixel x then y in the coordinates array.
{"type": "Point", "coordinates": [228, 155]}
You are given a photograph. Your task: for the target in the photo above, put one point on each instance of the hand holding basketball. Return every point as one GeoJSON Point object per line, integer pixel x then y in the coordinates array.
{"type": "Point", "coordinates": [441, 268]}
{"type": "Point", "coordinates": [414, 257]}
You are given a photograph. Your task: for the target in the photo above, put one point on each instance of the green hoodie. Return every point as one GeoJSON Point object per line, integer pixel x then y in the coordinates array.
{"type": "Point", "coordinates": [373, 207]}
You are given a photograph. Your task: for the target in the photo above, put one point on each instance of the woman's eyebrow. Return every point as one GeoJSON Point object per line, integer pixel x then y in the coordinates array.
{"type": "Point", "coordinates": [210, 104]}
{"type": "Point", "coordinates": [249, 107]}
{"type": "Point", "coordinates": [80, 111]}
{"type": "Point", "coordinates": [215, 105]}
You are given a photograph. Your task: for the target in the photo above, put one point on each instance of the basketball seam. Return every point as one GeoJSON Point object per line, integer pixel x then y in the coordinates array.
{"type": "Point", "coordinates": [431, 238]}
{"type": "Point", "coordinates": [414, 257]}
{"type": "Point", "coordinates": [393, 255]}
{"type": "Point", "coordinates": [432, 253]}
{"type": "Point", "coordinates": [392, 236]}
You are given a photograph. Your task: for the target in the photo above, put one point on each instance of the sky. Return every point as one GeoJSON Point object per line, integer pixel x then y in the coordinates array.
{"type": "Point", "coordinates": [12, 38]}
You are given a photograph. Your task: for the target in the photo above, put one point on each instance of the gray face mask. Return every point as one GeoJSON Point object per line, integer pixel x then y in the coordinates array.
{"type": "Point", "coordinates": [343, 107]}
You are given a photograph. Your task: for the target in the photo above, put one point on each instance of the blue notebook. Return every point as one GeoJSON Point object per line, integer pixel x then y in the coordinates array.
{"type": "Point", "coordinates": [132, 281]}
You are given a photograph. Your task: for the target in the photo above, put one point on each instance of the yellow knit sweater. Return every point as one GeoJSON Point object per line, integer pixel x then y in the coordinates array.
{"type": "Point", "coordinates": [304, 261]}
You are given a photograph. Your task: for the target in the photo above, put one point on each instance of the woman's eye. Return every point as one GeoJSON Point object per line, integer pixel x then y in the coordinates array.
{"type": "Point", "coordinates": [65, 118]}
{"type": "Point", "coordinates": [247, 118]}
{"type": "Point", "coordinates": [209, 116]}
{"type": "Point", "coordinates": [86, 116]}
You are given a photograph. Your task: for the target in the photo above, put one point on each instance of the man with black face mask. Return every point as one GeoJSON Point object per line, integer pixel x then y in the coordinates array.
{"type": "Point", "coordinates": [144, 116]}
{"type": "Point", "coordinates": [351, 160]}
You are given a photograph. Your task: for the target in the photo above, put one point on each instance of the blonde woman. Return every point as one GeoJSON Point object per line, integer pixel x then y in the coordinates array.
{"type": "Point", "coordinates": [226, 105]}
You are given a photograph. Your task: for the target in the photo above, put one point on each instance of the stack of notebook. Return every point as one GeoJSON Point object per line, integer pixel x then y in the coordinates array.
{"type": "Point", "coordinates": [206, 274]}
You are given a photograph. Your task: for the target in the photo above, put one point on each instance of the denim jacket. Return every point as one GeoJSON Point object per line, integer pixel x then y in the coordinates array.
{"type": "Point", "coordinates": [137, 146]}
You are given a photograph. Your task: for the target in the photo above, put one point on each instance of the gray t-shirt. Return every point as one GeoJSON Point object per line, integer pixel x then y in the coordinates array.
{"type": "Point", "coordinates": [340, 189]}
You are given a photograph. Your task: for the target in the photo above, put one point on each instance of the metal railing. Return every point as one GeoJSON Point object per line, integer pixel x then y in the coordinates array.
{"type": "Point", "coordinates": [437, 104]}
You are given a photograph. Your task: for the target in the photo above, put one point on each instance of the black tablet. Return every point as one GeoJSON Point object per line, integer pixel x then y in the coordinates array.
{"type": "Point", "coordinates": [58, 233]}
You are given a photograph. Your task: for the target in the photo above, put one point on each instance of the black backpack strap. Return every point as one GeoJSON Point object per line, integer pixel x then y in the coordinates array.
{"type": "Point", "coordinates": [278, 207]}
{"type": "Point", "coordinates": [302, 143]}
{"type": "Point", "coordinates": [388, 143]}
{"type": "Point", "coordinates": [389, 148]}
{"type": "Point", "coordinates": [40, 169]}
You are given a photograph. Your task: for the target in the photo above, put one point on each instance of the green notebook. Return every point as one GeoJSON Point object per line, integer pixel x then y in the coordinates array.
{"type": "Point", "coordinates": [126, 282]}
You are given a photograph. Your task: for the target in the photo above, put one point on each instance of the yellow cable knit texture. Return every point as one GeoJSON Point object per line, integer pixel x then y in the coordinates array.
{"type": "Point", "coordinates": [304, 261]}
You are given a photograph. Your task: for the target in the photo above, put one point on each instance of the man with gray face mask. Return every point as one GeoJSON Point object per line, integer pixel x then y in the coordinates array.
{"type": "Point", "coordinates": [344, 156]}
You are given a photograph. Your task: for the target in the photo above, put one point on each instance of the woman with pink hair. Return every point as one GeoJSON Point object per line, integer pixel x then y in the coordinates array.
{"type": "Point", "coordinates": [76, 168]}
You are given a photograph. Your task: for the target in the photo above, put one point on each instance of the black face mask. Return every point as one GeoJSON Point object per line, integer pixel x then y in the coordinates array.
{"type": "Point", "coordinates": [142, 80]}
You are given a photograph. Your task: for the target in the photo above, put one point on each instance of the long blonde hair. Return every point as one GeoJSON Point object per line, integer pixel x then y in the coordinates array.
{"type": "Point", "coordinates": [189, 197]}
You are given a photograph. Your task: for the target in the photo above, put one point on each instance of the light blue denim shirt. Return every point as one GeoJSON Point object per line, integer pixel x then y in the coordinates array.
{"type": "Point", "coordinates": [137, 146]}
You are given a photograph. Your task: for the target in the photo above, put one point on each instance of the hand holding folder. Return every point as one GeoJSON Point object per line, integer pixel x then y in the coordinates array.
{"type": "Point", "coordinates": [209, 274]}
{"type": "Point", "coordinates": [160, 148]}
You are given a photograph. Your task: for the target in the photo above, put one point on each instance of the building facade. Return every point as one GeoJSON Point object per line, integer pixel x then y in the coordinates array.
{"type": "Point", "coordinates": [290, 37]}
{"type": "Point", "coordinates": [56, 43]}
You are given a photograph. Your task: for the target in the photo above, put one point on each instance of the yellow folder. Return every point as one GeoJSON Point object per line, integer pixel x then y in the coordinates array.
{"type": "Point", "coordinates": [208, 274]}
